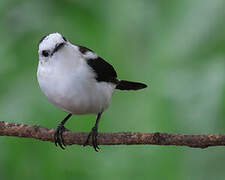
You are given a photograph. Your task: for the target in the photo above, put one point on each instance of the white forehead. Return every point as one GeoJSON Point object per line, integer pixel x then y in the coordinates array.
{"type": "Point", "coordinates": [50, 41]}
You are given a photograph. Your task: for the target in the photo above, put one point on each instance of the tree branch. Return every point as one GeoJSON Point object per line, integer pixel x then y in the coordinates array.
{"type": "Point", "coordinates": [120, 138]}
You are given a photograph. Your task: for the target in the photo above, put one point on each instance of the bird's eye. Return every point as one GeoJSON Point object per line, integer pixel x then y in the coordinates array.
{"type": "Point", "coordinates": [45, 53]}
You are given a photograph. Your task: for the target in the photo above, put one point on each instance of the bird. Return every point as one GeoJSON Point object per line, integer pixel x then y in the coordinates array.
{"type": "Point", "coordinates": [78, 81]}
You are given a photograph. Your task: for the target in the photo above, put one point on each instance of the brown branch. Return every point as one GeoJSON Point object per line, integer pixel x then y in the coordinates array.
{"type": "Point", "coordinates": [120, 138]}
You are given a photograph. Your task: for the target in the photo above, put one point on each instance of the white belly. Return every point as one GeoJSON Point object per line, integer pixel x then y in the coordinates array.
{"type": "Point", "coordinates": [74, 90]}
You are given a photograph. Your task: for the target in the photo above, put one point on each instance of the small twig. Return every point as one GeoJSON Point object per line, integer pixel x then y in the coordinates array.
{"type": "Point", "coordinates": [120, 138]}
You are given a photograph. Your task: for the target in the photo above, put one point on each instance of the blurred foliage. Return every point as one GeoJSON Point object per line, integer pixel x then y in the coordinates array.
{"type": "Point", "coordinates": [177, 47]}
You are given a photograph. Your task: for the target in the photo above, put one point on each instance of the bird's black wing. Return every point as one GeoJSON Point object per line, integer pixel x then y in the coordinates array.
{"type": "Point", "coordinates": [104, 71]}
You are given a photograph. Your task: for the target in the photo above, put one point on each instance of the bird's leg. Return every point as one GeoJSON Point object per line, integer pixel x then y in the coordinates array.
{"type": "Point", "coordinates": [94, 134]}
{"type": "Point", "coordinates": [59, 131]}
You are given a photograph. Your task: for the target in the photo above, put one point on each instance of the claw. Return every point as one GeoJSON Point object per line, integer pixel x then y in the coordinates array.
{"type": "Point", "coordinates": [93, 134]}
{"type": "Point", "coordinates": [58, 138]}
{"type": "Point", "coordinates": [87, 140]}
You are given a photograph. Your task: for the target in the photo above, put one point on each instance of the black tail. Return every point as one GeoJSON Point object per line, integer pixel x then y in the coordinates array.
{"type": "Point", "coordinates": [128, 85]}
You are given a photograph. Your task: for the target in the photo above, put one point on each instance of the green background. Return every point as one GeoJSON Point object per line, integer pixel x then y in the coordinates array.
{"type": "Point", "coordinates": [177, 47]}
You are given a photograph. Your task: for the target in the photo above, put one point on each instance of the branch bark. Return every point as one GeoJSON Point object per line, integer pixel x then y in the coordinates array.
{"type": "Point", "coordinates": [120, 138]}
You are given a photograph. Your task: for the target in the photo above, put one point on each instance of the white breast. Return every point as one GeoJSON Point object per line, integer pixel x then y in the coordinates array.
{"type": "Point", "coordinates": [69, 83]}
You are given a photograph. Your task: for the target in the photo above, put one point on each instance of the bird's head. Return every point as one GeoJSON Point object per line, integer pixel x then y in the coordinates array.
{"type": "Point", "coordinates": [51, 44]}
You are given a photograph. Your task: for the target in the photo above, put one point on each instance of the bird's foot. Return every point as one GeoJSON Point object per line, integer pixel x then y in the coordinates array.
{"type": "Point", "coordinates": [93, 134]}
{"type": "Point", "coordinates": [58, 138]}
